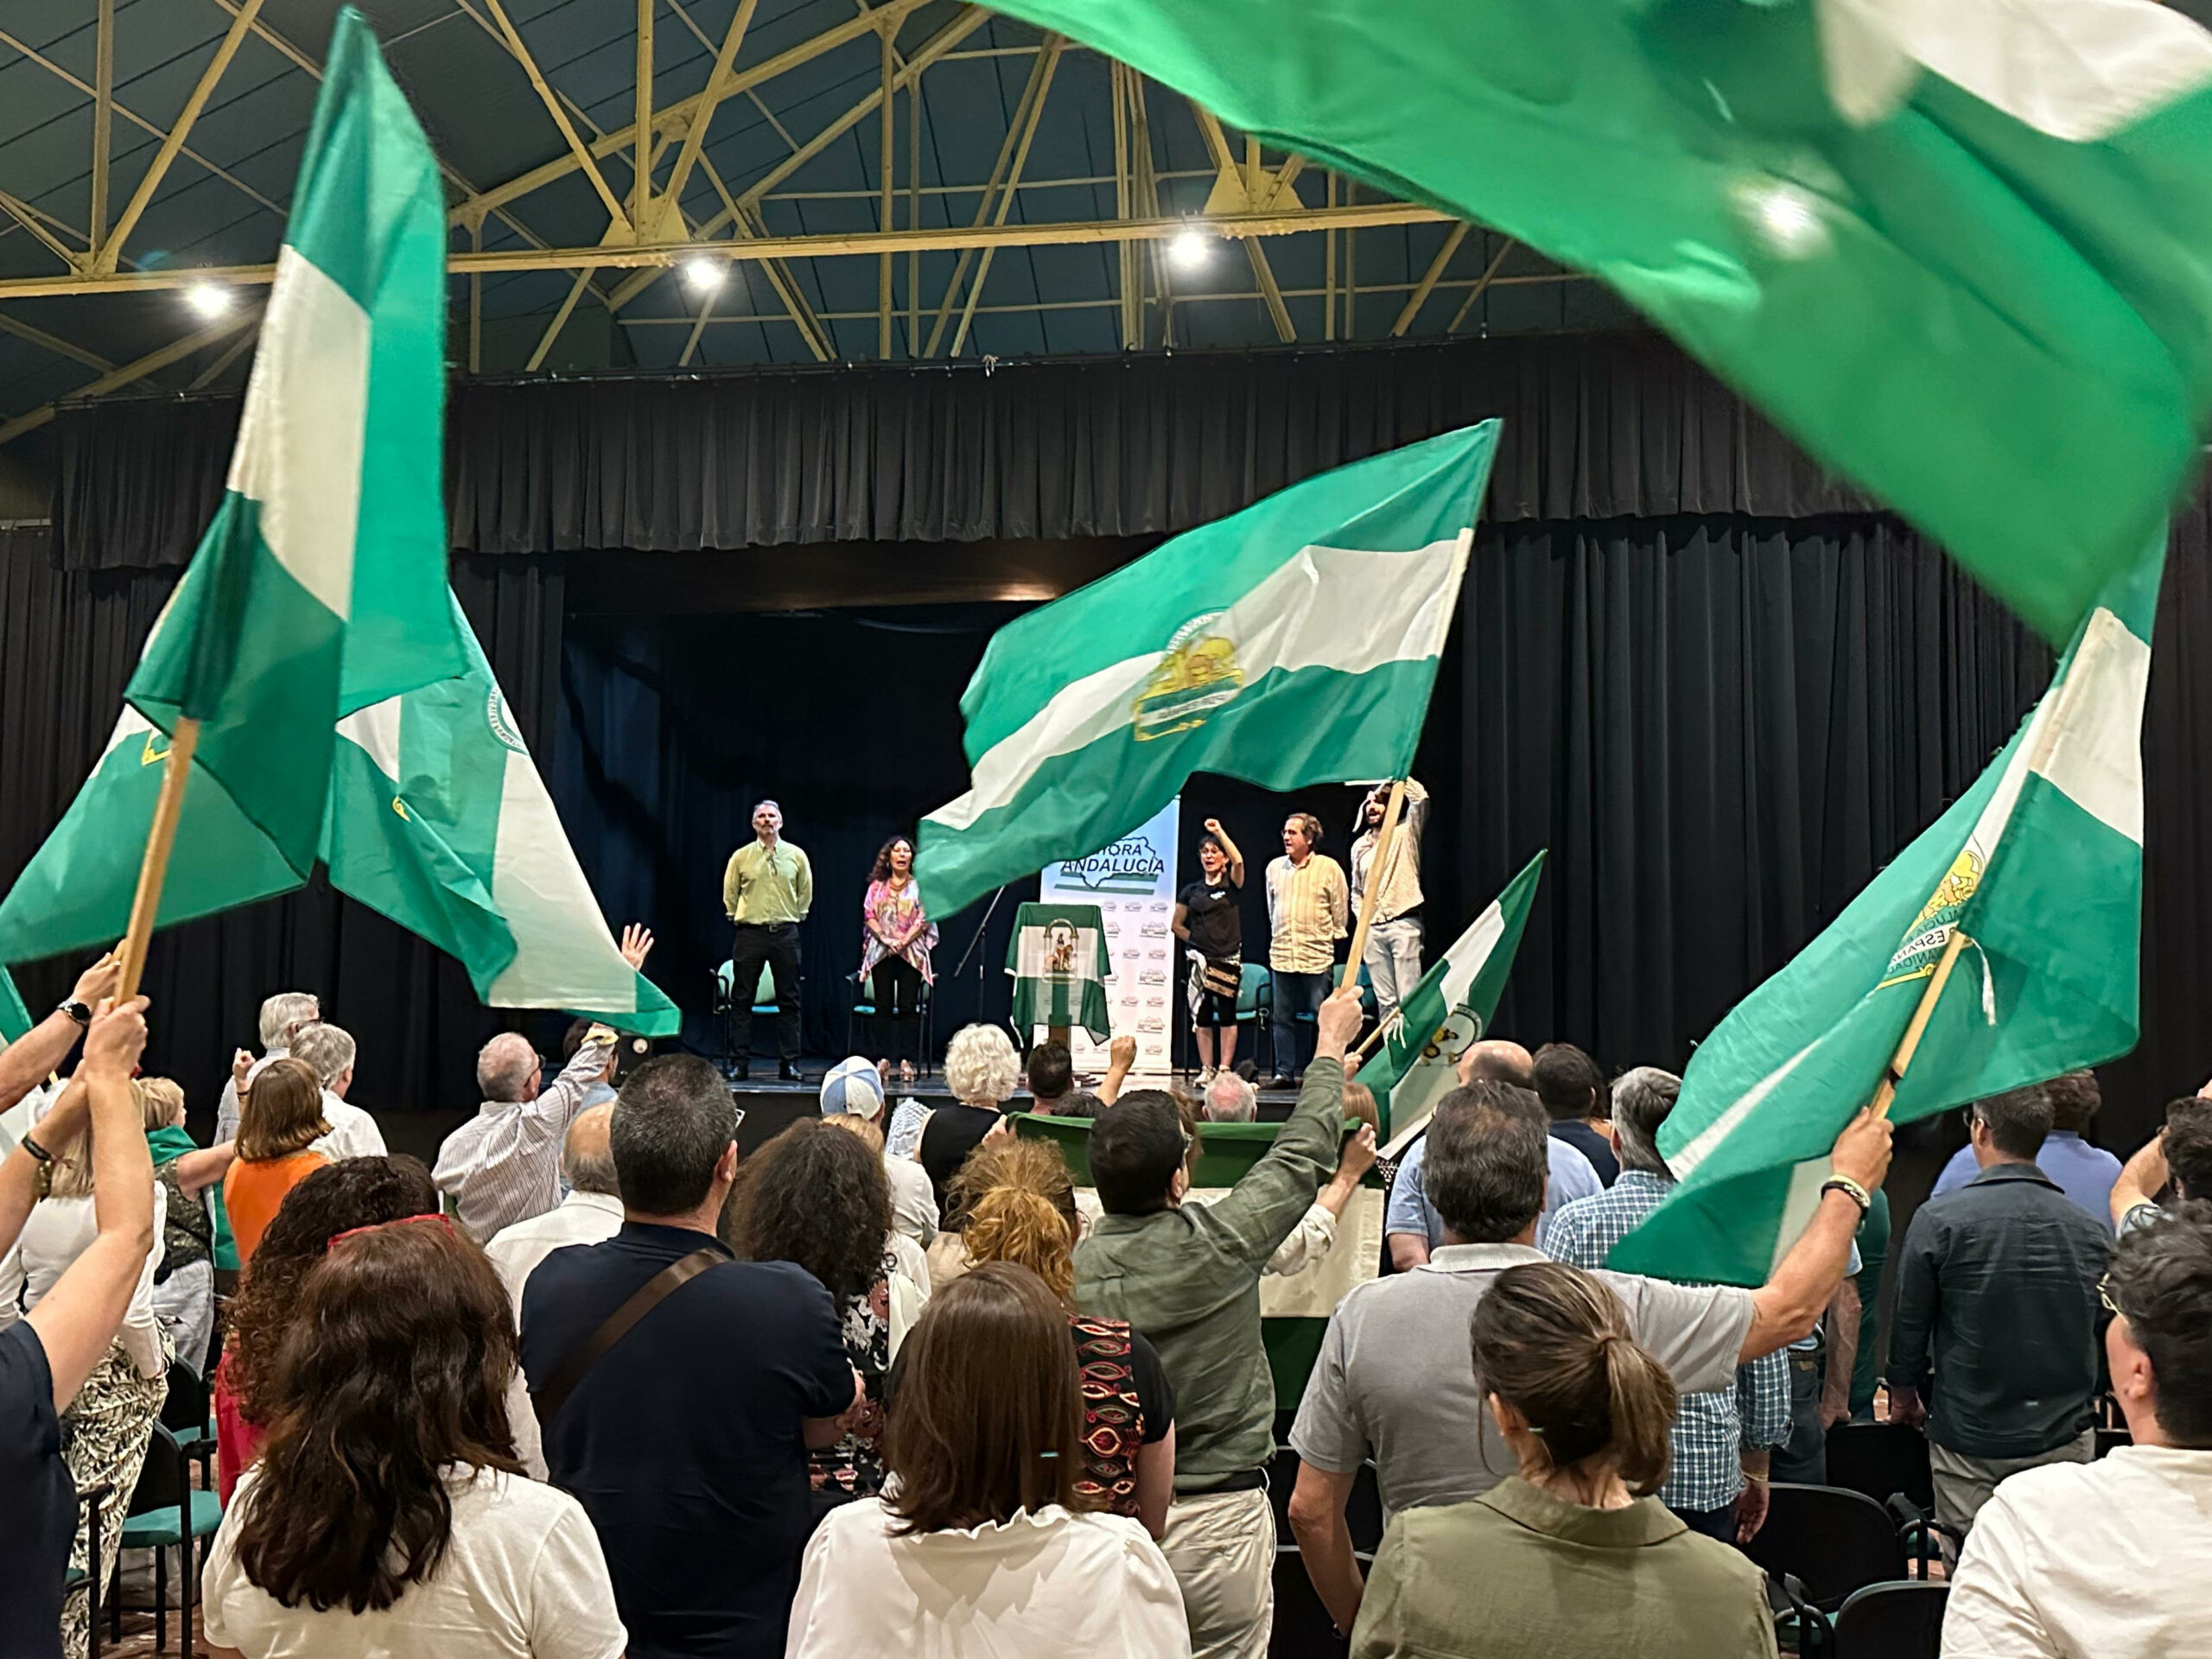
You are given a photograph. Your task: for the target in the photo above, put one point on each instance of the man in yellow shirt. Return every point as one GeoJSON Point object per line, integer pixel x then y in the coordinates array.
{"type": "Point", "coordinates": [1309, 909]}
{"type": "Point", "coordinates": [767, 890]}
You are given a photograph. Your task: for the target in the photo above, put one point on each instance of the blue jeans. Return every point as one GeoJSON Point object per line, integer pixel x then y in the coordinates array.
{"type": "Point", "coordinates": [1393, 960]}
{"type": "Point", "coordinates": [1296, 993]}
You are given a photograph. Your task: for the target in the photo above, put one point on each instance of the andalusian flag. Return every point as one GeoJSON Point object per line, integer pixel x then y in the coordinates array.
{"type": "Point", "coordinates": [2039, 866]}
{"type": "Point", "coordinates": [1448, 1012]}
{"type": "Point", "coordinates": [319, 588]}
{"type": "Point", "coordinates": [14, 1018]}
{"type": "Point", "coordinates": [439, 819]}
{"type": "Point", "coordinates": [1962, 249]}
{"type": "Point", "coordinates": [1293, 643]}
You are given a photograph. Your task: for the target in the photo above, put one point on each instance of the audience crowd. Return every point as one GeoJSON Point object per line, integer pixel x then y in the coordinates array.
{"type": "Point", "coordinates": [594, 1384]}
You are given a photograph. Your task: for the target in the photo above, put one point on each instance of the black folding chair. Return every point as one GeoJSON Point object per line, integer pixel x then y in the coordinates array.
{"type": "Point", "coordinates": [168, 1512]}
{"type": "Point", "coordinates": [1830, 1541]}
{"type": "Point", "coordinates": [1880, 1459]}
{"type": "Point", "coordinates": [184, 1413]}
{"type": "Point", "coordinates": [1891, 1621]}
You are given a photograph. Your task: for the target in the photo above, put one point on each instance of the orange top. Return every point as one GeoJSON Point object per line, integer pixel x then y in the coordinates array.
{"type": "Point", "coordinates": [252, 1192]}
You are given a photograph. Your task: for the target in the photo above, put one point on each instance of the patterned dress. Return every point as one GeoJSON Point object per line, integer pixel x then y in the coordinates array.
{"type": "Point", "coordinates": [1112, 1417]}
{"type": "Point", "coordinates": [105, 1434]}
{"type": "Point", "coordinates": [890, 911]}
{"type": "Point", "coordinates": [852, 1466]}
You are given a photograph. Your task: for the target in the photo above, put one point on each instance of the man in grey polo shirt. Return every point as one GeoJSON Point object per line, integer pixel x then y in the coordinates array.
{"type": "Point", "coordinates": [1395, 1378]}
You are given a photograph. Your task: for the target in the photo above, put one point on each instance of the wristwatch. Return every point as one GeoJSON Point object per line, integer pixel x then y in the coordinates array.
{"type": "Point", "coordinates": [81, 1012]}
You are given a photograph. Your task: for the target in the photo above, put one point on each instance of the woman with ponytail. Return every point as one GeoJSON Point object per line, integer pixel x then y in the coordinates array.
{"type": "Point", "coordinates": [1572, 1555]}
{"type": "Point", "coordinates": [1016, 1201]}
{"type": "Point", "coordinates": [984, 1543]}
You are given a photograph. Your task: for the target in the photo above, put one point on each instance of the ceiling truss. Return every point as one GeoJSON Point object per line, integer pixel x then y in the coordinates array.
{"type": "Point", "coordinates": [1254, 199]}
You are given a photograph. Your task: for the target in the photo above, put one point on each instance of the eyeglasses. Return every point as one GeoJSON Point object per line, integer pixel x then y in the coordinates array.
{"type": "Point", "coordinates": [2104, 1296]}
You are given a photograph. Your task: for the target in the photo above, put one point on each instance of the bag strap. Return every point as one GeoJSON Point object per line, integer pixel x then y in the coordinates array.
{"type": "Point", "coordinates": [618, 1324]}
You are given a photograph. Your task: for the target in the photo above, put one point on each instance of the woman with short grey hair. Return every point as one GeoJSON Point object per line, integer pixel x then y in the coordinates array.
{"type": "Point", "coordinates": [981, 1069]}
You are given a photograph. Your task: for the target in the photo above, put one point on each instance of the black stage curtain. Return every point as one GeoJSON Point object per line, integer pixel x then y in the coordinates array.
{"type": "Point", "coordinates": [68, 641]}
{"type": "Point", "coordinates": [1596, 426]}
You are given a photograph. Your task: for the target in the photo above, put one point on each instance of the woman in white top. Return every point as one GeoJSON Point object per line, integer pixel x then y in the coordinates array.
{"type": "Point", "coordinates": [388, 1516]}
{"type": "Point", "coordinates": [980, 1546]}
{"type": "Point", "coordinates": [109, 1425]}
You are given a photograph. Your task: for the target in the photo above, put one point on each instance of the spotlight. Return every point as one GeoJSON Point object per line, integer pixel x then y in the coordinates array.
{"type": "Point", "coordinates": [210, 300]}
{"type": "Point", "coordinates": [703, 275]}
{"type": "Point", "coordinates": [1190, 251]}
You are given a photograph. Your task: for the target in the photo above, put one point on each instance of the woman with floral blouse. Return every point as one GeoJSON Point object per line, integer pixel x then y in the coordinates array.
{"type": "Point", "coordinates": [895, 945]}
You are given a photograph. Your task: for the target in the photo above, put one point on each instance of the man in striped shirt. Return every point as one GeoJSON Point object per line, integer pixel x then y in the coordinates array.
{"type": "Point", "coordinates": [1309, 905]}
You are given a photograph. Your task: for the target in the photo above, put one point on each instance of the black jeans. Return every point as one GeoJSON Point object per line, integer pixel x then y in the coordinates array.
{"type": "Point", "coordinates": [1803, 1458]}
{"type": "Point", "coordinates": [775, 944]}
{"type": "Point", "coordinates": [897, 996]}
{"type": "Point", "coordinates": [1714, 1523]}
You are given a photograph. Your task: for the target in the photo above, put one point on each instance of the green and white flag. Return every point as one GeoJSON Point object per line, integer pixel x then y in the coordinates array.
{"type": "Point", "coordinates": [1961, 250]}
{"type": "Point", "coordinates": [1059, 959]}
{"type": "Point", "coordinates": [2039, 866]}
{"type": "Point", "coordinates": [1447, 1013]}
{"type": "Point", "coordinates": [319, 587]}
{"type": "Point", "coordinates": [14, 1018]}
{"type": "Point", "coordinates": [439, 819]}
{"type": "Point", "coordinates": [1293, 643]}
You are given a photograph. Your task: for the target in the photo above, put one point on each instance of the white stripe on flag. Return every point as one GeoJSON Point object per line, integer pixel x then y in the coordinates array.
{"type": "Point", "coordinates": [2094, 748]}
{"type": "Point", "coordinates": [375, 730]}
{"type": "Point", "coordinates": [1341, 608]}
{"type": "Point", "coordinates": [1681, 1163]}
{"type": "Point", "coordinates": [299, 445]}
{"type": "Point", "coordinates": [565, 955]}
{"type": "Point", "coordinates": [1806, 1180]}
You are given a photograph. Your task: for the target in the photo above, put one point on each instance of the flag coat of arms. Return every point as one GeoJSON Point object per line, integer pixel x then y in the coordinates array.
{"type": "Point", "coordinates": [1448, 1012]}
{"type": "Point", "coordinates": [2036, 874]}
{"type": "Point", "coordinates": [1060, 963]}
{"type": "Point", "coordinates": [1294, 643]}
{"type": "Point", "coordinates": [1961, 250]}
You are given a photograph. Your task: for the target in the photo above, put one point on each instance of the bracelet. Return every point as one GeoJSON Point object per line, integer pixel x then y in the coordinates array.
{"type": "Point", "coordinates": [42, 1182]}
{"type": "Point", "coordinates": [1850, 1189]}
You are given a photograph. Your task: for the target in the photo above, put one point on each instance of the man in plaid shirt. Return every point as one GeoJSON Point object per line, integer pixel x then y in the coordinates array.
{"type": "Point", "coordinates": [1722, 1440]}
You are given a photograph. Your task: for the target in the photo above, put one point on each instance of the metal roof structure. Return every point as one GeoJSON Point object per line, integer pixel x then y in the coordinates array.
{"type": "Point", "coordinates": [1026, 196]}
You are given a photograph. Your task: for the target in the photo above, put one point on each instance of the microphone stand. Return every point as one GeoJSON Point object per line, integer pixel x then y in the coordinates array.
{"type": "Point", "coordinates": [975, 944]}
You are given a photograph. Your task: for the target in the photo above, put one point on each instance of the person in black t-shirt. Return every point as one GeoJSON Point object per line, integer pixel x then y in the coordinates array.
{"type": "Point", "coordinates": [1208, 921]}
{"type": "Point", "coordinates": [1573, 1091]}
{"type": "Point", "coordinates": [687, 1442]}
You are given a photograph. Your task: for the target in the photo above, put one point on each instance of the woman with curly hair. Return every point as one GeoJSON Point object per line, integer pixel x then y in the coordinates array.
{"type": "Point", "coordinates": [1019, 1201]}
{"type": "Point", "coordinates": [354, 1192]}
{"type": "Point", "coordinates": [816, 1197]}
{"type": "Point", "coordinates": [388, 1515]}
{"type": "Point", "coordinates": [896, 938]}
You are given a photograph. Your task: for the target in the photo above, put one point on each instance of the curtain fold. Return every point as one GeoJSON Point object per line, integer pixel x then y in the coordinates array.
{"type": "Point", "coordinates": [1596, 426]}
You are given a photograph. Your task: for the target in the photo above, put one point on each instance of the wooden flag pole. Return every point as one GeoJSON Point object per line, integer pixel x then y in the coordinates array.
{"type": "Point", "coordinates": [1376, 867]}
{"type": "Point", "coordinates": [155, 867]}
{"type": "Point", "coordinates": [1910, 1043]}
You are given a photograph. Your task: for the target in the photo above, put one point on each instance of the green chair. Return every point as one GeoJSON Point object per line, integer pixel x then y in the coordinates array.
{"type": "Point", "coordinates": [78, 1579]}
{"type": "Point", "coordinates": [168, 1512]}
{"type": "Point", "coordinates": [763, 1000]}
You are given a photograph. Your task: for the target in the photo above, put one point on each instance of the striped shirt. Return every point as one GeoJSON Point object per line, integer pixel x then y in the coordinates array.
{"type": "Point", "coordinates": [504, 1165]}
{"type": "Point", "coordinates": [1308, 908]}
{"type": "Point", "coordinates": [1712, 1431]}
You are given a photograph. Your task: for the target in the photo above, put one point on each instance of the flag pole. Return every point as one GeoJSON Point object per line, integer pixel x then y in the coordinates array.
{"type": "Point", "coordinates": [1376, 867]}
{"type": "Point", "coordinates": [1910, 1043]}
{"type": "Point", "coordinates": [155, 867]}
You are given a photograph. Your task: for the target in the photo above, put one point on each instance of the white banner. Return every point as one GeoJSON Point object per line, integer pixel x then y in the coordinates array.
{"type": "Point", "coordinates": [1133, 884]}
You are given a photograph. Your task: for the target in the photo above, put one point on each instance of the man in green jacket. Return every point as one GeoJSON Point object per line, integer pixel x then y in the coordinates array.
{"type": "Point", "coordinates": [1188, 1278]}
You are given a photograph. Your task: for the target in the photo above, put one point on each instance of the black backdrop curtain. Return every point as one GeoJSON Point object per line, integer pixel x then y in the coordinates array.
{"type": "Point", "coordinates": [1722, 691]}
{"type": "Point", "coordinates": [1599, 426]}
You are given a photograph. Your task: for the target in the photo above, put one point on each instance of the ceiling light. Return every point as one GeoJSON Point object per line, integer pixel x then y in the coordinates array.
{"type": "Point", "coordinates": [703, 275]}
{"type": "Point", "coordinates": [1190, 250]}
{"type": "Point", "coordinates": [210, 300]}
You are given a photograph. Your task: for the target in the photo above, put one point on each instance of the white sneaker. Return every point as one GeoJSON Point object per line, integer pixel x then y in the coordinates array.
{"type": "Point", "coordinates": [1206, 1078]}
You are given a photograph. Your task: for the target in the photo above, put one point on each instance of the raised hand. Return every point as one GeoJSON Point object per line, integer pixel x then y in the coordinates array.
{"type": "Point", "coordinates": [99, 980]}
{"type": "Point", "coordinates": [637, 944]}
{"type": "Point", "coordinates": [117, 1038]}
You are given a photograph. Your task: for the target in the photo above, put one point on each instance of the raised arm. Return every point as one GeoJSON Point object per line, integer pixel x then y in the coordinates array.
{"type": "Point", "coordinates": [77, 1319]}
{"type": "Point", "coordinates": [1260, 1210]}
{"type": "Point", "coordinates": [35, 1055]}
{"type": "Point", "coordinates": [1228, 848]}
{"type": "Point", "coordinates": [1121, 1056]}
{"type": "Point", "coordinates": [2142, 1178]}
{"type": "Point", "coordinates": [1790, 1303]}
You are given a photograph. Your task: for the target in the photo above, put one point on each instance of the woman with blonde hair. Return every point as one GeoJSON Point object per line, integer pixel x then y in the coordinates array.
{"type": "Point", "coordinates": [280, 1119]}
{"type": "Point", "coordinates": [184, 1287]}
{"type": "Point", "coordinates": [1019, 1202]}
{"type": "Point", "coordinates": [1586, 1411]}
{"type": "Point", "coordinates": [983, 1071]}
